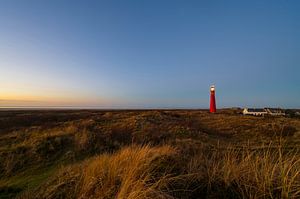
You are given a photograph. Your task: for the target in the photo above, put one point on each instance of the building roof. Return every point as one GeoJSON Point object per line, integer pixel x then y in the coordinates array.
{"type": "Point", "coordinates": [256, 110]}
{"type": "Point", "coordinates": [275, 110]}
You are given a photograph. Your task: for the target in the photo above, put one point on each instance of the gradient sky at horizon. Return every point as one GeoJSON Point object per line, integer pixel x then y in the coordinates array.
{"type": "Point", "coordinates": [150, 54]}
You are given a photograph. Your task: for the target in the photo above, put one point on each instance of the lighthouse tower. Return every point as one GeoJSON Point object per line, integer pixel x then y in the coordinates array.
{"type": "Point", "coordinates": [213, 108]}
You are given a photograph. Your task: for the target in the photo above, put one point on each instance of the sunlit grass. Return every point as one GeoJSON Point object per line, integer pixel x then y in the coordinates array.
{"type": "Point", "coordinates": [148, 154]}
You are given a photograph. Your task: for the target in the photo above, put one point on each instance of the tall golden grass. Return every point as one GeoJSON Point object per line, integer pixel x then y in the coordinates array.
{"type": "Point", "coordinates": [129, 173]}
{"type": "Point", "coordinates": [188, 154]}
{"type": "Point", "coordinates": [148, 172]}
{"type": "Point", "coordinates": [246, 173]}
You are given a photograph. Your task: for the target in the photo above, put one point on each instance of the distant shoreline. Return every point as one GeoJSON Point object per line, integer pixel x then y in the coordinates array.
{"type": "Point", "coordinates": [61, 108]}
{"type": "Point", "coordinates": [92, 108]}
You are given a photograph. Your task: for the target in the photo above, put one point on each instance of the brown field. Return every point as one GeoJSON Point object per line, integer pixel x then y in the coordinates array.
{"type": "Point", "coordinates": [148, 154]}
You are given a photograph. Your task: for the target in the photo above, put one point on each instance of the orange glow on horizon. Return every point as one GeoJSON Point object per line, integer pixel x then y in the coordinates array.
{"type": "Point", "coordinates": [10, 99]}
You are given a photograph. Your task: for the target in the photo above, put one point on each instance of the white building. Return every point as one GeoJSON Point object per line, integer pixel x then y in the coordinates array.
{"type": "Point", "coordinates": [275, 111]}
{"type": "Point", "coordinates": [255, 111]}
{"type": "Point", "coordinates": [264, 111]}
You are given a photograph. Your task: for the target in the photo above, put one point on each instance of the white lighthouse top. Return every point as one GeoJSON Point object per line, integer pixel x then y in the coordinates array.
{"type": "Point", "coordinates": [212, 88]}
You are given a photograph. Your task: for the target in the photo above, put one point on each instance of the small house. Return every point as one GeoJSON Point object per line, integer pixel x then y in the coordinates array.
{"type": "Point", "coordinates": [255, 111]}
{"type": "Point", "coordinates": [275, 111]}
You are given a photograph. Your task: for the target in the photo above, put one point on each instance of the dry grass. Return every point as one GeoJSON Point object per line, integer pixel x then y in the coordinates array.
{"type": "Point", "coordinates": [248, 173]}
{"type": "Point", "coordinates": [129, 173]}
{"type": "Point", "coordinates": [152, 154]}
{"type": "Point", "coordinates": [151, 172]}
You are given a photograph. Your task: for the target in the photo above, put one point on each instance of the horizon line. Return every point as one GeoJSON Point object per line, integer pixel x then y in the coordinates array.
{"type": "Point", "coordinates": [121, 108]}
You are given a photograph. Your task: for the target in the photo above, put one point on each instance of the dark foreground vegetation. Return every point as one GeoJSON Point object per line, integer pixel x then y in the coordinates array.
{"type": "Point", "coordinates": [148, 154]}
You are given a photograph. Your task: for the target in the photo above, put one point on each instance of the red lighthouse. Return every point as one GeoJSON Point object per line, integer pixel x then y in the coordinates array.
{"type": "Point", "coordinates": [213, 108]}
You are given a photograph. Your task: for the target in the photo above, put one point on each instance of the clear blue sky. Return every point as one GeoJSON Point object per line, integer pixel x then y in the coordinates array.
{"type": "Point", "coordinates": [157, 53]}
